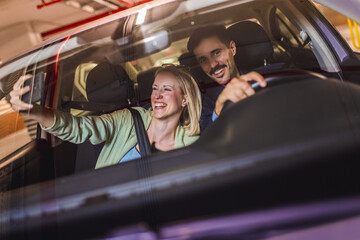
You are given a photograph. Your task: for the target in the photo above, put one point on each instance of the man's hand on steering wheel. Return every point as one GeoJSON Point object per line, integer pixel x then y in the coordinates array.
{"type": "Point", "coordinates": [237, 89]}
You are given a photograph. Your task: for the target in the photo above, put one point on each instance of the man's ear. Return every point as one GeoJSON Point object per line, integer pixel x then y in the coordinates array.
{"type": "Point", "coordinates": [233, 47]}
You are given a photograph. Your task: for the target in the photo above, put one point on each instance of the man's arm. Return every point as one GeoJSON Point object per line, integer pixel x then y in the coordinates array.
{"type": "Point", "coordinates": [238, 89]}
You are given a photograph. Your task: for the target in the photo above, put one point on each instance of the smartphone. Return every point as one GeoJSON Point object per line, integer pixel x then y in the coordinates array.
{"type": "Point", "coordinates": [37, 88]}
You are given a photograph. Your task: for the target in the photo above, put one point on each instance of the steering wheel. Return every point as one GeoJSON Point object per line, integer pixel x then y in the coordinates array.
{"type": "Point", "coordinates": [278, 78]}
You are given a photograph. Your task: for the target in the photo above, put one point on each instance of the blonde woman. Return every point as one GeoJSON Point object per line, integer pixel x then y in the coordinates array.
{"type": "Point", "coordinates": [173, 121]}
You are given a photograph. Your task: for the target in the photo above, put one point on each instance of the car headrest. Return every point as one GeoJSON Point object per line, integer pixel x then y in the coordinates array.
{"type": "Point", "coordinates": [109, 84]}
{"type": "Point", "coordinates": [145, 81]}
{"type": "Point", "coordinates": [253, 45]}
{"type": "Point", "coordinates": [188, 59]}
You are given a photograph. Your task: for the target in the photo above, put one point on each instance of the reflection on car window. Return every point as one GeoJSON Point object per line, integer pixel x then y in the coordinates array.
{"type": "Point", "coordinates": [15, 131]}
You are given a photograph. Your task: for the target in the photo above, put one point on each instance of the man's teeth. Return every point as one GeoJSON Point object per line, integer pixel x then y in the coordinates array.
{"type": "Point", "coordinates": [218, 71]}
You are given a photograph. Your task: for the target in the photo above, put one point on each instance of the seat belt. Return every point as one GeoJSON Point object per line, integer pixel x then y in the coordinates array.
{"type": "Point", "coordinates": [141, 135]}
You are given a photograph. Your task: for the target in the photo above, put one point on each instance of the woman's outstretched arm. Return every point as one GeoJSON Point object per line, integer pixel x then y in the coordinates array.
{"type": "Point", "coordinates": [44, 116]}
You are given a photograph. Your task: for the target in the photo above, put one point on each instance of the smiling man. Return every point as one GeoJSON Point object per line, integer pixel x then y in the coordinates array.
{"type": "Point", "coordinates": [215, 51]}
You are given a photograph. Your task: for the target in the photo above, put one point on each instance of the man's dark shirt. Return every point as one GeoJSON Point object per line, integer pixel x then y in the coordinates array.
{"type": "Point", "coordinates": [208, 105]}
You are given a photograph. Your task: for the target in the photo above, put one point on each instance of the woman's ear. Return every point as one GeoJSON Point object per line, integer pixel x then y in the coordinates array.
{"type": "Point", "coordinates": [184, 101]}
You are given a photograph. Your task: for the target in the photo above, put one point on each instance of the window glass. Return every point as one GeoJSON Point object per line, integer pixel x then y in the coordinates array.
{"type": "Point", "coordinates": [291, 43]}
{"type": "Point", "coordinates": [347, 28]}
{"type": "Point", "coordinates": [86, 70]}
{"type": "Point", "coordinates": [15, 131]}
{"type": "Point", "coordinates": [287, 29]}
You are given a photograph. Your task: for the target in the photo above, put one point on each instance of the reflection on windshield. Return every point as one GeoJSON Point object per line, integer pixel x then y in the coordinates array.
{"type": "Point", "coordinates": [13, 136]}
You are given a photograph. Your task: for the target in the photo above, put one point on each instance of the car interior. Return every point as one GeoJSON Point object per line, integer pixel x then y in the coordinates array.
{"type": "Point", "coordinates": [112, 66]}
{"type": "Point", "coordinates": [103, 74]}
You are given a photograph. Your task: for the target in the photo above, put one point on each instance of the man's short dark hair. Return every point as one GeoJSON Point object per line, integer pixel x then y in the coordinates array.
{"type": "Point", "coordinates": [202, 33]}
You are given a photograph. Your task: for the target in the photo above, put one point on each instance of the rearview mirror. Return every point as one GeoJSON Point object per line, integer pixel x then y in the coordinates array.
{"type": "Point", "coordinates": [140, 45]}
{"type": "Point", "coordinates": [156, 42]}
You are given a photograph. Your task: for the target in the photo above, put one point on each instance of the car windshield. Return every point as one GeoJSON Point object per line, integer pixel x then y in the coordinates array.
{"type": "Point", "coordinates": [279, 161]}
{"type": "Point", "coordinates": [85, 71]}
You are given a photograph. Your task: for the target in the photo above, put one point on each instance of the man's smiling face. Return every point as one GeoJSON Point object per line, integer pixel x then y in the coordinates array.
{"type": "Point", "coordinates": [216, 59]}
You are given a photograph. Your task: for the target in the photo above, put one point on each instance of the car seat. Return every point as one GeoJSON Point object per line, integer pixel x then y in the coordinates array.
{"type": "Point", "coordinates": [254, 49]}
{"type": "Point", "coordinates": [204, 81]}
{"type": "Point", "coordinates": [109, 84]}
{"type": "Point", "coordinates": [145, 81]}
{"type": "Point", "coordinates": [108, 87]}
{"type": "Point", "coordinates": [188, 59]}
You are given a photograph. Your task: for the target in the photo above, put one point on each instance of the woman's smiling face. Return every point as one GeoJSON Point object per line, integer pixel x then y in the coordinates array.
{"type": "Point", "coordinates": [167, 99]}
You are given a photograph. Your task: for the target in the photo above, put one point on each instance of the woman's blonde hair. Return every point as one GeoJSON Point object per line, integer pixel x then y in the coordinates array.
{"type": "Point", "coordinates": [190, 116]}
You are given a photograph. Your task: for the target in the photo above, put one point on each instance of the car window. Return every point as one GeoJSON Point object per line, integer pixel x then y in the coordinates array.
{"type": "Point", "coordinates": [291, 39]}
{"type": "Point", "coordinates": [260, 171]}
{"type": "Point", "coordinates": [347, 28]}
{"type": "Point", "coordinates": [111, 66]}
{"type": "Point", "coordinates": [14, 136]}
{"type": "Point", "coordinates": [16, 130]}
{"type": "Point", "coordinates": [289, 33]}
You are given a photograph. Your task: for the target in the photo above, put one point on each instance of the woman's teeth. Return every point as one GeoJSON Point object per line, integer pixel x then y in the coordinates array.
{"type": "Point", "coordinates": [160, 105]}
